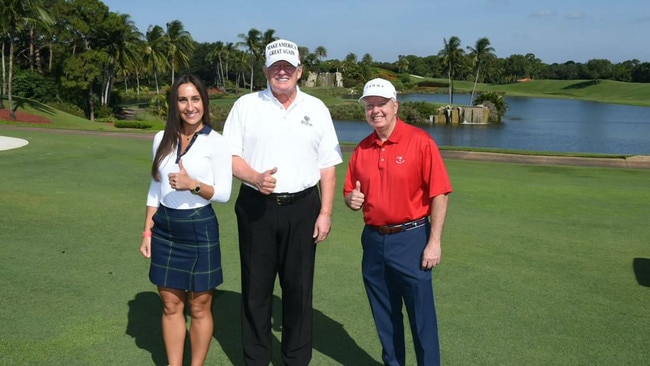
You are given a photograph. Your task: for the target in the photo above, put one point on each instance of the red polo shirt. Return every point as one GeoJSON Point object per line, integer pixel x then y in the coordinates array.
{"type": "Point", "coordinates": [399, 177]}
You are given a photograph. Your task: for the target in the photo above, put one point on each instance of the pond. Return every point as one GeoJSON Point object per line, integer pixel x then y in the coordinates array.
{"type": "Point", "coordinates": [537, 124]}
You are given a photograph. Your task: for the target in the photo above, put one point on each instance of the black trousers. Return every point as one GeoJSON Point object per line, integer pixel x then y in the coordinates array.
{"type": "Point", "coordinates": [276, 240]}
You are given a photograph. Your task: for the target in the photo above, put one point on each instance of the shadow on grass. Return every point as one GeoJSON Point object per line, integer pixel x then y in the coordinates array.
{"type": "Point", "coordinates": [145, 312]}
{"type": "Point", "coordinates": [330, 338]}
{"type": "Point", "coordinates": [21, 102]}
{"type": "Point", "coordinates": [583, 84]}
{"type": "Point", "coordinates": [642, 271]}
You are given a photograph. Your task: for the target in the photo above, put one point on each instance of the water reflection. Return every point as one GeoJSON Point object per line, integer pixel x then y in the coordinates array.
{"type": "Point", "coordinates": [538, 124]}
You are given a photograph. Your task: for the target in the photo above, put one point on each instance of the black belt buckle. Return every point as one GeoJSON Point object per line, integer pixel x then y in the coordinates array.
{"type": "Point", "coordinates": [283, 199]}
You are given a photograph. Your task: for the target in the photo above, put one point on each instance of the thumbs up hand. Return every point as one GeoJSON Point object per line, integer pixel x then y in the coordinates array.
{"type": "Point", "coordinates": [180, 181]}
{"type": "Point", "coordinates": [266, 181]}
{"type": "Point", "coordinates": [355, 199]}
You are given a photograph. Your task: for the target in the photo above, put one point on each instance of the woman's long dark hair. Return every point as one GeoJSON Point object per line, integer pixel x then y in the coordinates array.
{"type": "Point", "coordinates": [174, 124]}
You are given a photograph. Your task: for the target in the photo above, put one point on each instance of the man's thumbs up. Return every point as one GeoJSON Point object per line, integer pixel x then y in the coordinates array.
{"type": "Point", "coordinates": [266, 181]}
{"type": "Point", "coordinates": [356, 198]}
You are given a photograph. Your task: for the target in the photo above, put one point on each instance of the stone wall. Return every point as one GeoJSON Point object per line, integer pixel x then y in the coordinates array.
{"type": "Point", "coordinates": [324, 79]}
{"type": "Point", "coordinates": [465, 115]}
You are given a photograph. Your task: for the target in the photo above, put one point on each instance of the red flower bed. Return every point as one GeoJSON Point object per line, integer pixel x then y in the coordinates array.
{"type": "Point", "coordinates": [23, 117]}
{"type": "Point", "coordinates": [214, 91]}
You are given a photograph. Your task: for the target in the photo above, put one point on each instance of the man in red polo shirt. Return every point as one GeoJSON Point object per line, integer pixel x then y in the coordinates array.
{"type": "Point", "coordinates": [397, 176]}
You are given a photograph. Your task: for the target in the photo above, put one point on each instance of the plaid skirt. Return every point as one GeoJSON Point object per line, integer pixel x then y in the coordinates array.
{"type": "Point", "coordinates": [185, 250]}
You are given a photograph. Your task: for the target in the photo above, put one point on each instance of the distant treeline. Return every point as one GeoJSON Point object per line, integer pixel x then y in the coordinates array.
{"type": "Point", "coordinates": [79, 53]}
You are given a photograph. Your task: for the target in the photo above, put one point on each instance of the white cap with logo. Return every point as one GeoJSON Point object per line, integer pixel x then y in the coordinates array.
{"type": "Point", "coordinates": [282, 50]}
{"type": "Point", "coordinates": [379, 88]}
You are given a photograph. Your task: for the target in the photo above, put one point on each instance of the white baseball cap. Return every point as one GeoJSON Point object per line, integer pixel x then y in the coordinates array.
{"type": "Point", "coordinates": [379, 88]}
{"type": "Point", "coordinates": [282, 50]}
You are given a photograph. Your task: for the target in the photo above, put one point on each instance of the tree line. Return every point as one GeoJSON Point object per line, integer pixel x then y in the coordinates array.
{"type": "Point", "coordinates": [80, 54]}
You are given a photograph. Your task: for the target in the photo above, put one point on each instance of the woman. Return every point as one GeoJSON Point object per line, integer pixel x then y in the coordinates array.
{"type": "Point", "coordinates": [191, 168]}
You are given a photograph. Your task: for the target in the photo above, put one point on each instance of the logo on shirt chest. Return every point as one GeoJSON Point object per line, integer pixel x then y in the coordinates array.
{"type": "Point", "coordinates": [305, 121]}
{"type": "Point", "coordinates": [400, 160]}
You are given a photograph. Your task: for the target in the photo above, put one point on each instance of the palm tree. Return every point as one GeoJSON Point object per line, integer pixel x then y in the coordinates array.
{"type": "Point", "coordinates": [267, 37]}
{"type": "Point", "coordinates": [180, 46]}
{"type": "Point", "coordinates": [255, 42]}
{"type": "Point", "coordinates": [15, 15]}
{"type": "Point", "coordinates": [123, 46]}
{"type": "Point", "coordinates": [230, 54]}
{"type": "Point", "coordinates": [452, 55]}
{"type": "Point", "coordinates": [242, 60]}
{"type": "Point", "coordinates": [321, 52]}
{"type": "Point", "coordinates": [252, 42]}
{"type": "Point", "coordinates": [480, 54]}
{"type": "Point", "coordinates": [303, 51]}
{"type": "Point", "coordinates": [138, 67]}
{"type": "Point", "coordinates": [223, 54]}
{"type": "Point", "coordinates": [155, 51]}
{"type": "Point", "coordinates": [218, 53]}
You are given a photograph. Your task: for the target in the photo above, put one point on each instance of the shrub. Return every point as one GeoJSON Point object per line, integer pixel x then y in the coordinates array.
{"type": "Point", "coordinates": [432, 84]}
{"type": "Point", "coordinates": [348, 112]}
{"type": "Point", "coordinates": [495, 103]}
{"type": "Point", "coordinates": [108, 119]}
{"type": "Point", "coordinates": [142, 125]}
{"type": "Point", "coordinates": [219, 112]}
{"type": "Point", "coordinates": [103, 111]}
{"type": "Point", "coordinates": [32, 85]}
{"type": "Point", "coordinates": [158, 105]}
{"type": "Point", "coordinates": [417, 112]}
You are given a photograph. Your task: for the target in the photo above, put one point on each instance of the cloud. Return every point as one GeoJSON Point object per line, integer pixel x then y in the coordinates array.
{"type": "Point", "coordinates": [543, 14]}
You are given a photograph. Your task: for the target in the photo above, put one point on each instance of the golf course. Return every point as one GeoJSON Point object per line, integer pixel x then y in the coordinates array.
{"type": "Point", "coordinates": [542, 264]}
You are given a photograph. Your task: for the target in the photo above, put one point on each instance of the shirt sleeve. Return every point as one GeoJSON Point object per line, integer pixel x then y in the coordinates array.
{"type": "Point", "coordinates": [233, 130]}
{"type": "Point", "coordinates": [153, 196]}
{"type": "Point", "coordinates": [329, 149]}
{"type": "Point", "coordinates": [435, 172]}
{"type": "Point", "coordinates": [221, 160]}
{"type": "Point", "coordinates": [350, 177]}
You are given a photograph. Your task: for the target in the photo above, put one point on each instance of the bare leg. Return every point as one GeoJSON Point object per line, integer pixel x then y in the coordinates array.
{"type": "Point", "coordinates": [202, 325]}
{"type": "Point", "coordinates": [173, 324]}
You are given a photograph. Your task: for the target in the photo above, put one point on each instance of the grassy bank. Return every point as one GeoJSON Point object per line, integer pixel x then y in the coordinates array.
{"type": "Point", "coordinates": [605, 91]}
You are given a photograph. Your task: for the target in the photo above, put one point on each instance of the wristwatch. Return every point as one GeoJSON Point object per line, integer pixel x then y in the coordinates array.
{"type": "Point", "coordinates": [197, 189]}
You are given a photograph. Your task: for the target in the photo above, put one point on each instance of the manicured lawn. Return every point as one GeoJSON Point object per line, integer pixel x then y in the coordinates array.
{"type": "Point", "coordinates": [542, 265]}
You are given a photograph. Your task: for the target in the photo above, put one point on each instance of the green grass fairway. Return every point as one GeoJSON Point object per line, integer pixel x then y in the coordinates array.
{"type": "Point", "coordinates": [542, 265]}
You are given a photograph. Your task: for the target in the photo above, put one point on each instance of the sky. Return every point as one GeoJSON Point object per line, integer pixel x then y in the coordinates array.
{"type": "Point", "coordinates": [555, 31]}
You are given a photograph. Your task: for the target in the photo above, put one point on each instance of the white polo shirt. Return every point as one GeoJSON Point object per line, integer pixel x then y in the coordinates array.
{"type": "Point", "coordinates": [208, 160]}
{"type": "Point", "coordinates": [299, 141]}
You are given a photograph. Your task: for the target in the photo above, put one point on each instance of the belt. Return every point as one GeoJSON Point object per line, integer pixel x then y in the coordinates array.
{"type": "Point", "coordinates": [281, 199]}
{"type": "Point", "coordinates": [394, 229]}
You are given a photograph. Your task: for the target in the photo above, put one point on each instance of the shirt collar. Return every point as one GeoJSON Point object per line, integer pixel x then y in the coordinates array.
{"type": "Point", "coordinates": [268, 94]}
{"type": "Point", "coordinates": [205, 130]}
{"type": "Point", "coordinates": [395, 136]}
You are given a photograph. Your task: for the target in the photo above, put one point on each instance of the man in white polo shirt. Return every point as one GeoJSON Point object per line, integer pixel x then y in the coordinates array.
{"type": "Point", "coordinates": [284, 145]}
